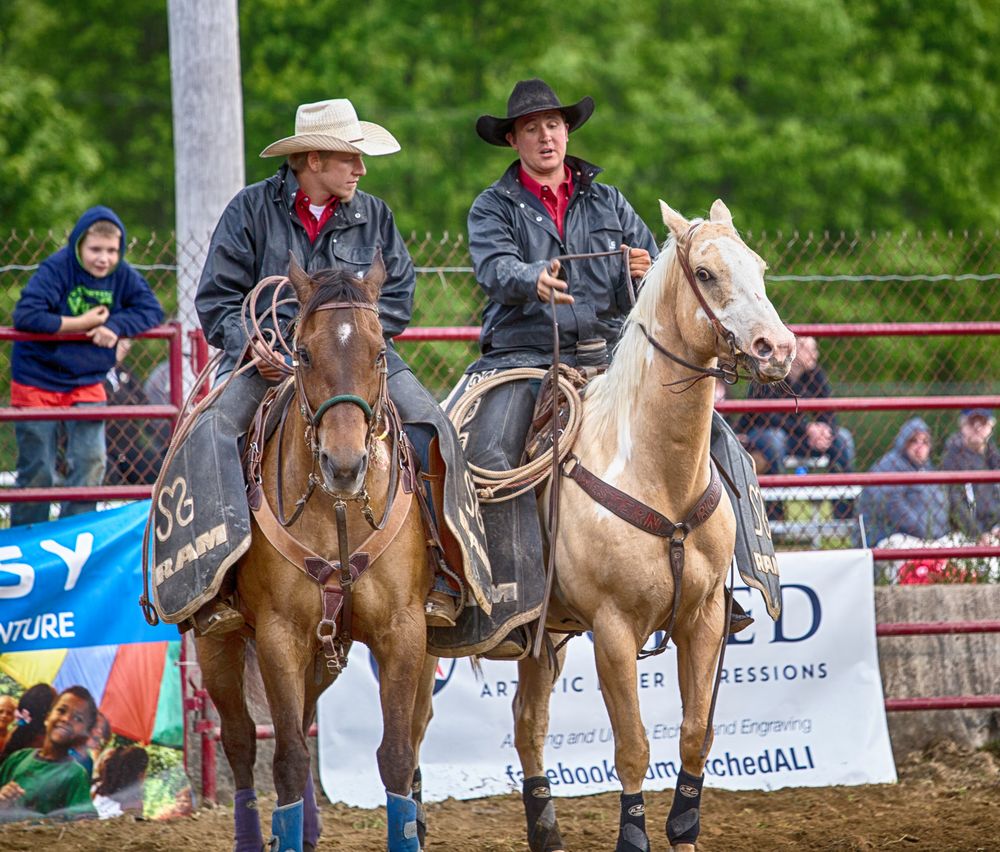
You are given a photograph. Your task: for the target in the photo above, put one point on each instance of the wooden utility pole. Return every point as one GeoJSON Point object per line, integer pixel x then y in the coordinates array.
{"type": "Point", "coordinates": [208, 130]}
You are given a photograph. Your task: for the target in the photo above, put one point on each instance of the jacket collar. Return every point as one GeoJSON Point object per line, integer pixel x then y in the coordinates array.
{"type": "Point", "coordinates": [353, 212]}
{"type": "Point", "coordinates": [583, 176]}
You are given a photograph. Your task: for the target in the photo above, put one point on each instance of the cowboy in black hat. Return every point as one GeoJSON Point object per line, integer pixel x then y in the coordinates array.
{"type": "Point", "coordinates": [546, 204]}
{"type": "Point", "coordinates": [537, 126]}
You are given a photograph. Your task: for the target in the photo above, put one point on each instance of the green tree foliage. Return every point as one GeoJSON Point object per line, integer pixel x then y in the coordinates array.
{"type": "Point", "coordinates": [89, 88]}
{"type": "Point", "coordinates": [46, 161]}
{"type": "Point", "coordinates": [803, 114]}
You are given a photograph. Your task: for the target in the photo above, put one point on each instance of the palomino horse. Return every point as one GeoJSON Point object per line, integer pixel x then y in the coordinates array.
{"type": "Point", "coordinates": [352, 475]}
{"type": "Point", "coordinates": [702, 299]}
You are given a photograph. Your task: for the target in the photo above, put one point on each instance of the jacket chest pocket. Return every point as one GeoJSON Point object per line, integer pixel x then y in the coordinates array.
{"type": "Point", "coordinates": [605, 237]}
{"type": "Point", "coordinates": [356, 259]}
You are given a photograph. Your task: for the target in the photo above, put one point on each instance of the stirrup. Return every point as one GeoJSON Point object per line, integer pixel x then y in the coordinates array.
{"type": "Point", "coordinates": [216, 618]}
{"type": "Point", "coordinates": [516, 645]}
{"type": "Point", "coordinates": [739, 618]}
{"type": "Point", "coordinates": [440, 609]}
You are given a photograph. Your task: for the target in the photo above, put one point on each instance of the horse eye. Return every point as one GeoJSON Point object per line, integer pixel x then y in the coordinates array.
{"type": "Point", "coordinates": [703, 274]}
{"type": "Point", "coordinates": [302, 354]}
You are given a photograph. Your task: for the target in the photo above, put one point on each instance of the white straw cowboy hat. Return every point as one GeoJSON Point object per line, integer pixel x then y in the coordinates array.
{"type": "Point", "coordinates": [530, 96]}
{"type": "Point", "coordinates": [333, 126]}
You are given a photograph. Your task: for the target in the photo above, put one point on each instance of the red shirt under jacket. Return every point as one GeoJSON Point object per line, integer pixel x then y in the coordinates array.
{"type": "Point", "coordinates": [555, 202]}
{"type": "Point", "coordinates": [313, 225]}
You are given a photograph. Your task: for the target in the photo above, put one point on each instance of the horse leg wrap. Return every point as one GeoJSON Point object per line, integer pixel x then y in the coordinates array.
{"type": "Point", "coordinates": [312, 826]}
{"type": "Point", "coordinates": [540, 810]}
{"type": "Point", "coordinates": [247, 819]}
{"type": "Point", "coordinates": [417, 794]}
{"type": "Point", "coordinates": [632, 824]}
{"type": "Point", "coordinates": [286, 828]}
{"type": "Point", "coordinates": [684, 819]}
{"type": "Point", "coordinates": [401, 818]}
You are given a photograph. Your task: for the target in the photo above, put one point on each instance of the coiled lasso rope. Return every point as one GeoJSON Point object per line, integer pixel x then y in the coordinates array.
{"type": "Point", "coordinates": [496, 486]}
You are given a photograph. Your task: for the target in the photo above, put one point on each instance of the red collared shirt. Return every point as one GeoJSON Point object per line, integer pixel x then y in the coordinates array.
{"type": "Point", "coordinates": [555, 202]}
{"type": "Point", "coordinates": [313, 225]}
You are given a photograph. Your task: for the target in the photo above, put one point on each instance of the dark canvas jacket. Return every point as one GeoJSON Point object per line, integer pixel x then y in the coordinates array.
{"type": "Point", "coordinates": [258, 229]}
{"type": "Point", "coordinates": [810, 384]}
{"type": "Point", "coordinates": [512, 237]}
{"type": "Point", "coordinates": [974, 509]}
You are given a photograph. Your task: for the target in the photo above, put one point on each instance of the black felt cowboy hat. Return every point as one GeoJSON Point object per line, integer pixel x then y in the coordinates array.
{"type": "Point", "coordinates": [531, 96]}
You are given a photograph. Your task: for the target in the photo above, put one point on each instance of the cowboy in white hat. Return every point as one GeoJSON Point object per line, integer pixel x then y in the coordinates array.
{"type": "Point", "coordinates": [313, 208]}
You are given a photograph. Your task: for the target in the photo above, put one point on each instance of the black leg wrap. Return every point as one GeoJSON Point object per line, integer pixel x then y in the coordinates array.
{"type": "Point", "coordinates": [540, 810]}
{"type": "Point", "coordinates": [417, 794]}
{"type": "Point", "coordinates": [684, 819]}
{"type": "Point", "coordinates": [632, 824]}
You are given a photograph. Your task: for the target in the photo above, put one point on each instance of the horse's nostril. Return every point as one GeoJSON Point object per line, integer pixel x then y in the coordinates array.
{"type": "Point", "coordinates": [762, 348]}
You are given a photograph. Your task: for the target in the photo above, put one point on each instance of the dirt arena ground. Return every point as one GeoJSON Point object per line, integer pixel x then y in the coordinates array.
{"type": "Point", "coordinates": [946, 799]}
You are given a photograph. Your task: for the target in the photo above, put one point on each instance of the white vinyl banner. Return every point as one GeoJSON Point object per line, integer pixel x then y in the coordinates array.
{"type": "Point", "coordinates": [800, 705]}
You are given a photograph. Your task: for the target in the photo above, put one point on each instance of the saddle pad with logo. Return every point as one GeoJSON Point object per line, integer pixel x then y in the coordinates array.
{"type": "Point", "coordinates": [755, 557]}
{"type": "Point", "coordinates": [201, 523]}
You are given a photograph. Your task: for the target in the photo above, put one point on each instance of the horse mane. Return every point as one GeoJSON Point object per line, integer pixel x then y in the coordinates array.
{"type": "Point", "coordinates": [610, 397]}
{"type": "Point", "coordinates": [334, 285]}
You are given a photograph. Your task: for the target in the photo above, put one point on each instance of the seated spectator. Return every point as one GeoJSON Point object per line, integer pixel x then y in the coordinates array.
{"type": "Point", "coordinates": [774, 436]}
{"type": "Point", "coordinates": [29, 727]}
{"type": "Point", "coordinates": [916, 510]}
{"type": "Point", "coordinates": [974, 509]}
{"type": "Point", "coordinates": [46, 781]}
{"type": "Point", "coordinates": [121, 782]}
{"type": "Point", "coordinates": [135, 448]}
{"type": "Point", "coordinates": [8, 706]}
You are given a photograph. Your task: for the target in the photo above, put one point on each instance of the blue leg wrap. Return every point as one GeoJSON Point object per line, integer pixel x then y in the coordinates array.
{"type": "Point", "coordinates": [312, 825]}
{"type": "Point", "coordinates": [401, 816]}
{"type": "Point", "coordinates": [286, 828]}
{"type": "Point", "coordinates": [247, 819]}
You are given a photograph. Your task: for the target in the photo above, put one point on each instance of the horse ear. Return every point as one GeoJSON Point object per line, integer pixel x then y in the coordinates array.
{"type": "Point", "coordinates": [720, 213]}
{"type": "Point", "coordinates": [376, 275]}
{"type": "Point", "coordinates": [677, 224]}
{"type": "Point", "coordinates": [300, 281]}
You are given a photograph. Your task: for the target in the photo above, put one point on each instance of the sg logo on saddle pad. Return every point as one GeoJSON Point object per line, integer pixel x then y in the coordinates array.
{"type": "Point", "coordinates": [182, 513]}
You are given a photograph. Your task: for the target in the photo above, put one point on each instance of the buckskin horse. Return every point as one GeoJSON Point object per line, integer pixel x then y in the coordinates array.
{"type": "Point", "coordinates": [352, 484]}
{"type": "Point", "coordinates": [640, 459]}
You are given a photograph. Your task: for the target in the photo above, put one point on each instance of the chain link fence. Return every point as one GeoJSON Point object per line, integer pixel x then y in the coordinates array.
{"type": "Point", "coordinates": [812, 278]}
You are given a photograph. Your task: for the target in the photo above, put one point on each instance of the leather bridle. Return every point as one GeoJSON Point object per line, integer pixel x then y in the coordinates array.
{"type": "Point", "coordinates": [378, 419]}
{"type": "Point", "coordinates": [726, 371]}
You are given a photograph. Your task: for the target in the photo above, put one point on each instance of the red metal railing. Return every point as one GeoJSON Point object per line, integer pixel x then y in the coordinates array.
{"type": "Point", "coordinates": [871, 329]}
{"type": "Point", "coordinates": [171, 332]}
{"type": "Point", "coordinates": [937, 628]}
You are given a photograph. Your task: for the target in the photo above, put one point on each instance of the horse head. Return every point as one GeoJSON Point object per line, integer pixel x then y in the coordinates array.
{"type": "Point", "coordinates": [340, 370]}
{"type": "Point", "coordinates": [725, 297]}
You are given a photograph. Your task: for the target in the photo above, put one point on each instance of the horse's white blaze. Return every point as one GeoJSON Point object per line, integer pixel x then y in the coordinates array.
{"type": "Point", "coordinates": [744, 269]}
{"type": "Point", "coordinates": [344, 331]}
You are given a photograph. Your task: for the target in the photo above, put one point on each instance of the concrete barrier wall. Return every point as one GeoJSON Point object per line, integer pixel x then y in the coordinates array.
{"type": "Point", "coordinates": [923, 666]}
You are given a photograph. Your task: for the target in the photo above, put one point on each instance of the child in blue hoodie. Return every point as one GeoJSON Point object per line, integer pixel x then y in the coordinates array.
{"type": "Point", "coordinates": [84, 287]}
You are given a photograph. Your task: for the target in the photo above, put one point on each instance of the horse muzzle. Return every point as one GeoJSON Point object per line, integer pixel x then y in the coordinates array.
{"type": "Point", "coordinates": [343, 472]}
{"type": "Point", "coordinates": [770, 356]}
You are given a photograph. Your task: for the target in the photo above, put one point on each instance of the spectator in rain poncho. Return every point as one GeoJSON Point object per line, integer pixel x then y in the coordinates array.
{"type": "Point", "coordinates": [918, 510]}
